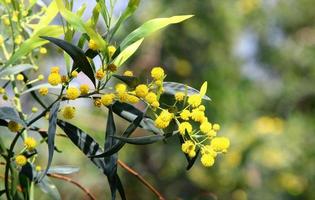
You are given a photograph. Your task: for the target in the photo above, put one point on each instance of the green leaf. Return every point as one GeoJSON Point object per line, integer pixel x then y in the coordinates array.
{"type": "Point", "coordinates": [51, 135]}
{"type": "Point", "coordinates": [79, 25]}
{"type": "Point", "coordinates": [47, 186]}
{"type": "Point", "coordinates": [141, 140]}
{"type": "Point", "coordinates": [15, 69]}
{"type": "Point", "coordinates": [37, 87]}
{"type": "Point", "coordinates": [131, 81]}
{"type": "Point", "coordinates": [10, 114]}
{"type": "Point", "coordinates": [172, 88]}
{"type": "Point", "coordinates": [127, 52]}
{"type": "Point", "coordinates": [63, 170]}
{"type": "Point", "coordinates": [25, 178]}
{"type": "Point", "coordinates": [79, 59]}
{"type": "Point", "coordinates": [34, 41]}
{"type": "Point", "coordinates": [149, 27]}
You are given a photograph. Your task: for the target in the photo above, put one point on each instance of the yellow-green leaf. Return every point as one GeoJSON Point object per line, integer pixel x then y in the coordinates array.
{"type": "Point", "coordinates": [127, 52]}
{"type": "Point", "coordinates": [203, 88]}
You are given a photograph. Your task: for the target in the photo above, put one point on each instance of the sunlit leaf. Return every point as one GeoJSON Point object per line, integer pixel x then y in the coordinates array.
{"type": "Point", "coordinates": [15, 69]}
{"type": "Point", "coordinates": [127, 52]}
{"type": "Point", "coordinates": [203, 89]}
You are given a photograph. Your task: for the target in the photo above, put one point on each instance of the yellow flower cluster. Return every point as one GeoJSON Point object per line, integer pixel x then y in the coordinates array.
{"type": "Point", "coordinates": [72, 93]}
{"type": "Point", "coordinates": [20, 160]}
{"type": "Point", "coordinates": [30, 143]}
{"type": "Point", "coordinates": [164, 119]}
{"type": "Point", "coordinates": [54, 77]}
{"type": "Point", "coordinates": [68, 112]}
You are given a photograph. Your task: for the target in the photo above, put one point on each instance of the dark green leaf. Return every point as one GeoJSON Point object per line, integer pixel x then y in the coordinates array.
{"type": "Point", "coordinates": [25, 178]}
{"type": "Point", "coordinates": [2, 192]}
{"type": "Point", "coordinates": [131, 81]}
{"type": "Point", "coordinates": [51, 135]}
{"type": "Point", "coordinates": [10, 114]}
{"type": "Point", "coordinates": [80, 61]}
{"type": "Point", "coordinates": [141, 140]}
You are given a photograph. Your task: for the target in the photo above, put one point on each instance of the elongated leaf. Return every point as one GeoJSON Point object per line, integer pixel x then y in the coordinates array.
{"type": "Point", "coordinates": [34, 41]}
{"type": "Point", "coordinates": [51, 135]}
{"type": "Point", "coordinates": [78, 24]}
{"type": "Point", "coordinates": [119, 144]}
{"type": "Point", "coordinates": [15, 69]}
{"type": "Point", "coordinates": [25, 178]}
{"type": "Point", "coordinates": [127, 52]}
{"type": "Point", "coordinates": [10, 114]}
{"type": "Point", "coordinates": [37, 87]}
{"type": "Point", "coordinates": [47, 186]}
{"type": "Point", "coordinates": [63, 170]}
{"type": "Point", "coordinates": [173, 87]}
{"type": "Point", "coordinates": [131, 81]}
{"type": "Point", "coordinates": [130, 113]}
{"type": "Point", "coordinates": [141, 140]}
{"type": "Point", "coordinates": [79, 59]}
{"type": "Point", "coordinates": [147, 28]}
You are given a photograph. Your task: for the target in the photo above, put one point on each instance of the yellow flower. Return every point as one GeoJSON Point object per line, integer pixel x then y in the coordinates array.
{"type": "Point", "coordinates": [34, 109]}
{"type": "Point", "coordinates": [142, 90]}
{"type": "Point", "coordinates": [99, 74]}
{"type": "Point", "coordinates": [84, 89]}
{"type": "Point", "coordinates": [216, 127]}
{"type": "Point", "coordinates": [207, 149]}
{"type": "Point", "coordinates": [155, 104]}
{"type": "Point", "coordinates": [179, 96]}
{"type": "Point", "coordinates": [185, 114]}
{"type": "Point", "coordinates": [68, 112]}
{"type": "Point", "coordinates": [194, 100]}
{"type": "Point", "coordinates": [18, 39]}
{"type": "Point", "coordinates": [205, 127]}
{"type": "Point", "coordinates": [54, 79]}
{"type": "Point", "coordinates": [43, 91]}
{"type": "Point", "coordinates": [2, 90]}
{"type": "Point", "coordinates": [72, 93]}
{"type": "Point", "coordinates": [157, 73]}
{"type": "Point", "coordinates": [6, 20]}
{"type": "Point", "coordinates": [40, 77]}
{"type": "Point", "coordinates": [132, 99]}
{"type": "Point", "coordinates": [163, 120]}
{"type": "Point", "coordinates": [197, 115]}
{"type": "Point", "coordinates": [38, 168]}
{"type": "Point", "coordinates": [211, 133]}
{"type": "Point", "coordinates": [97, 102]}
{"type": "Point", "coordinates": [93, 45]}
{"type": "Point", "coordinates": [120, 88]}
{"type": "Point", "coordinates": [183, 127]}
{"type": "Point", "coordinates": [1, 40]}
{"type": "Point", "coordinates": [151, 97]}
{"type": "Point", "coordinates": [20, 77]}
{"type": "Point", "coordinates": [128, 73]}
{"type": "Point", "coordinates": [202, 108]}
{"type": "Point", "coordinates": [112, 67]}
{"type": "Point", "coordinates": [123, 96]}
{"type": "Point", "coordinates": [54, 69]}
{"type": "Point", "coordinates": [74, 73]}
{"type": "Point", "coordinates": [30, 143]}
{"type": "Point", "coordinates": [220, 144]}
{"type": "Point", "coordinates": [189, 148]}
{"type": "Point", "coordinates": [107, 99]}
{"type": "Point", "coordinates": [158, 83]}
{"type": "Point", "coordinates": [42, 50]}
{"type": "Point", "coordinates": [13, 126]}
{"type": "Point", "coordinates": [111, 50]}
{"type": "Point", "coordinates": [207, 160]}
{"type": "Point", "coordinates": [20, 160]}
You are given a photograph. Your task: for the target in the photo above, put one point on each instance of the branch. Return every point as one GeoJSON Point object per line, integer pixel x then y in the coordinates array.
{"type": "Point", "coordinates": [86, 191]}
{"type": "Point", "coordinates": [141, 179]}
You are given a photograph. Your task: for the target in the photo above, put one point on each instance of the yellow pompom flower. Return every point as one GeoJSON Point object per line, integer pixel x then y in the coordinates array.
{"type": "Point", "coordinates": [14, 126]}
{"type": "Point", "coordinates": [84, 89]}
{"type": "Point", "coordinates": [107, 99]}
{"type": "Point", "coordinates": [93, 45]}
{"type": "Point", "coordinates": [43, 91]}
{"type": "Point", "coordinates": [220, 144]}
{"type": "Point", "coordinates": [179, 96]}
{"type": "Point", "coordinates": [128, 73]}
{"type": "Point", "coordinates": [155, 104]}
{"type": "Point", "coordinates": [54, 69]}
{"type": "Point", "coordinates": [183, 127]}
{"type": "Point", "coordinates": [34, 109]}
{"type": "Point", "coordinates": [123, 96]}
{"type": "Point", "coordinates": [20, 160]}
{"type": "Point", "coordinates": [42, 50]}
{"type": "Point", "coordinates": [120, 88]}
{"type": "Point", "coordinates": [151, 97]}
{"type": "Point", "coordinates": [211, 133]}
{"type": "Point", "coordinates": [216, 127]}
{"type": "Point", "coordinates": [197, 115]}
{"type": "Point", "coordinates": [54, 79]}
{"type": "Point", "coordinates": [207, 149]}
{"type": "Point", "coordinates": [111, 50]}
{"type": "Point", "coordinates": [38, 168]}
{"type": "Point", "coordinates": [99, 74]}
{"type": "Point", "coordinates": [68, 112]}
{"type": "Point", "coordinates": [72, 93]}
{"type": "Point", "coordinates": [142, 90]}
{"type": "Point", "coordinates": [18, 39]}
{"type": "Point", "coordinates": [163, 120]}
{"type": "Point", "coordinates": [157, 73]}
{"type": "Point", "coordinates": [97, 102]}
{"type": "Point", "coordinates": [185, 114]}
{"type": "Point", "coordinates": [194, 100]}
{"type": "Point", "coordinates": [20, 77]}
{"type": "Point", "coordinates": [202, 108]}
{"type": "Point", "coordinates": [30, 143]}
{"type": "Point", "coordinates": [41, 77]}
{"type": "Point", "coordinates": [205, 127]}
{"type": "Point", "coordinates": [2, 90]}
{"type": "Point", "coordinates": [1, 40]}
{"type": "Point", "coordinates": [189, 148]}
{"type": "Point", "coordinates": [207, 160]}
{"type": "Point", "coordinates": [74, 73]}
{"type": "Point", "coordinates": [132, 99]}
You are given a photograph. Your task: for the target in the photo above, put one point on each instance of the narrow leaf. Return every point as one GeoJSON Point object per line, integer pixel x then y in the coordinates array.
{"type": "Point", "coordinates": [15, 69]}
{"type": "Point", "coordinates": [10, 114]}
{"type": "Point", "coordinates": [49, 188]}
{"type": "Point", "coordinates": [173, 87]}
{"type": "Point", "coordinates": [141, 140]}
{"type": "Point", "coordinates": [63, 170]}
{"type": "Point", "coordinates": [127, 52]}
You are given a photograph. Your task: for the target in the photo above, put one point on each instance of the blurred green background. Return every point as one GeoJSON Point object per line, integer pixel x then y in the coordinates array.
{"type": "Point", "coordinates": [258, 59]}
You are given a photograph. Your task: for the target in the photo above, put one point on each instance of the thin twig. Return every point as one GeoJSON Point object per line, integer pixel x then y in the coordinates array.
{"type": "Point", "coordinates": [141, 179]}
{"type": "Point", "coordinates": [86, 191]}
